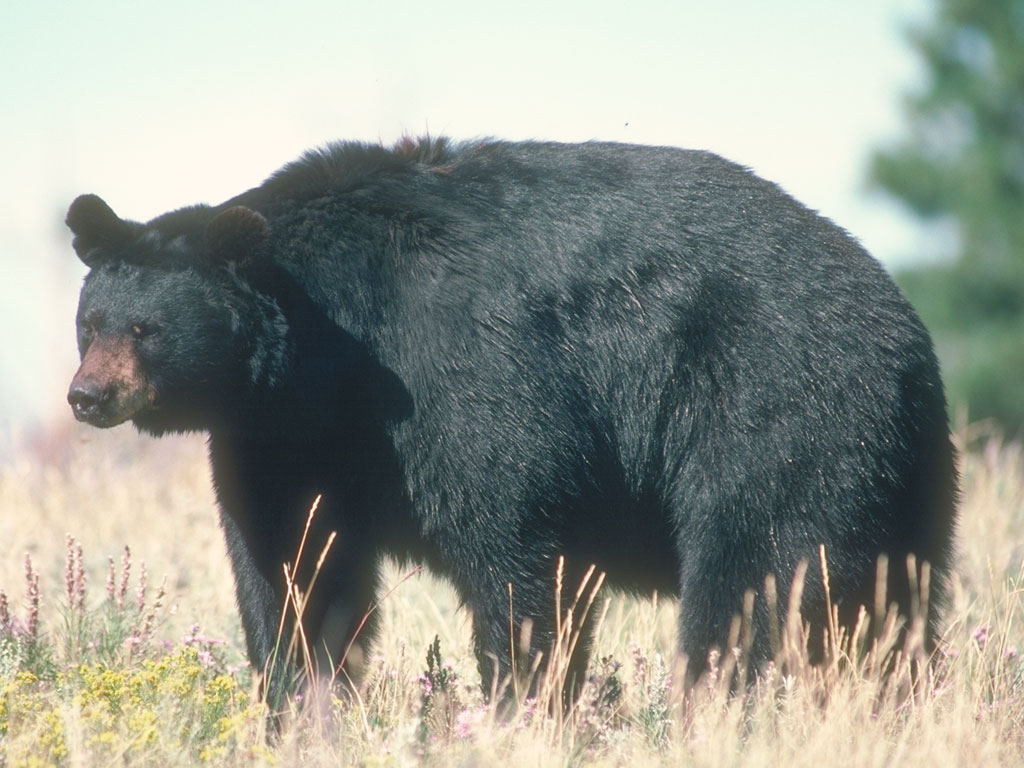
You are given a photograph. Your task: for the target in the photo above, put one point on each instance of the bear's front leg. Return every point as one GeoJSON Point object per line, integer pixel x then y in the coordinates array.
{"type": "Point", "coordinates": [265, 497]}
{"type": "Point", "coordinates": [327, 620]}
{"type": "Point", "coordinates": [259, 607]}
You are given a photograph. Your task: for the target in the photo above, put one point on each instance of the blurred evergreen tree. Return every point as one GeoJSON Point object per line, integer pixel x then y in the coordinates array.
{"type": "Point", "coordinates": [963, 162]}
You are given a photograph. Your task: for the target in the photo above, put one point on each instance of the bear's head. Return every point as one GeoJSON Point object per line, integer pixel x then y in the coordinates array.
{"type": "Point", "coordinates": [172, 332]}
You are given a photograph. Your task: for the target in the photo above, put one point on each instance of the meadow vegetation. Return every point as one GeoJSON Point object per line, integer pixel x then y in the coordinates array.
{"type": "Point", "coordinates": [119, 643]}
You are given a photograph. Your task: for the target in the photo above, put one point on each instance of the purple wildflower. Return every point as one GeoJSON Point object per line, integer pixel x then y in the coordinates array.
{"type": "Point", "coordinates": [980, 635]}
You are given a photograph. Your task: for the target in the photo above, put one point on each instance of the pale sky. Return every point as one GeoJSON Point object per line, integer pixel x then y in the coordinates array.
{"type": "Point", "coordinates": [158, 105]}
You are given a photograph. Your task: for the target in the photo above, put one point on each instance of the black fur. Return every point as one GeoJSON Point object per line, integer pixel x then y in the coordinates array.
{"type": "Point", "coordinates": [488, 355]}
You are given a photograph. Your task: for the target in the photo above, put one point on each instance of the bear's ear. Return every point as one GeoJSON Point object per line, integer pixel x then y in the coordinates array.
{"type": "Point", "coordinates": [95, 228]}
{"type": "Point", "coordinates": [239, 235]}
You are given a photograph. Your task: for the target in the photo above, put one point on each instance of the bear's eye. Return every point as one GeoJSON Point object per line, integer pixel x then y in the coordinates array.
{"type": "Point", "coordinates": [90, 324]}
{"type": "Point", "coordinates": [140, 331]}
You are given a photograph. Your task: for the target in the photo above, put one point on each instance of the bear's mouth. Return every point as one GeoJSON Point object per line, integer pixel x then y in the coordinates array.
{"type": "Point", "coordinates": [107, 406]}
{"type": "Point", "coordinates": [101, 420]}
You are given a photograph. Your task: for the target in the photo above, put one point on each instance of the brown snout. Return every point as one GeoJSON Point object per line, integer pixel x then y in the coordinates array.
{"type": "Point", "coordinates": [109, 387]}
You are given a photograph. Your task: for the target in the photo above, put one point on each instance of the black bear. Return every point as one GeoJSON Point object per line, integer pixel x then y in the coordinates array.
{"type": "Point", "coordinates": [488, 355]}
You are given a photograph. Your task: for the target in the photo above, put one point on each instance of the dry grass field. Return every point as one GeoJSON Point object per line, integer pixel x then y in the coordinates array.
{"type": "Point", "coordinates": [95, 670]}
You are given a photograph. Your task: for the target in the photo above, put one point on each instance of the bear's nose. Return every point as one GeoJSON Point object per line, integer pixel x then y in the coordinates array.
{"type": "Point", "coordinates": [86, 398]}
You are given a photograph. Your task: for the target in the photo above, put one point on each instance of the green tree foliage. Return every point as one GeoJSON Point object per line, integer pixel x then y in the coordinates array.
{"type": "Point", "coordinates": [963, 162]}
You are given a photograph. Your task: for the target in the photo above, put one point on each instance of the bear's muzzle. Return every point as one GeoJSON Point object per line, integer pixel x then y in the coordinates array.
{"type": "Point", "coordinates": [109, 387]}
